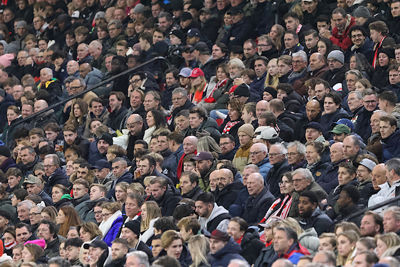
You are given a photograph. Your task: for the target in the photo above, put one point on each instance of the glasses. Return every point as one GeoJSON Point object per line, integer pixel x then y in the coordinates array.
{"type": "Point", "coordinates": [271, 155]}
{"type": "Point", "coordinates": [292, 154]}
{"type": "Point", "coordinates": [254, 153]}
{"type": "Point", "coordinates": [34, 213]}
{"type": "Point", "coordinates": [176, 98]}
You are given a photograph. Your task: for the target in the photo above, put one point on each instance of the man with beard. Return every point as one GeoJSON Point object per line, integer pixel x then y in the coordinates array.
{"type": "Point", "coordinates": [147, 167]}
{"type": "Point", "coordinates": [311, 215]}
{"type": "Point", "coordinates": [371, 224]}
{"type": "Point", "coordinates": [166, 197]}
{"type": "Point", "coordinates": [205, 165]}
{"type": "Point", "coordinates": [99, 148]}
{"type": "Point", "coordinates": [313, 113]}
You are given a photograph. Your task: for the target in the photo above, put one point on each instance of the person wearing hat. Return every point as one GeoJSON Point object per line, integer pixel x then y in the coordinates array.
{"type": "Point", "coordinates": [380, 77]}
{"type": "Point", "coordinates": [364, 177]}
{"type": "Point", "coordinates": [198, 85]}
{"type": "Point", "coordinates": [241, 158]}
{"type": "Point", "coordinates": [131, 232]}
{"type": "Point", "coordinates": [314, 132]}
{"type": "Point", "coordinates": [240, 29]}
{"type": "Point", "coordinates": [98, 252]}
{"type": "Point", "coordinates": [311, 215]}
{"type": "Point", "coordinates": [223, 249]}
{"type": "Point", "coordinates": [34, 185]}
{"type": "Point", "coordinates": [340, 132]}
{"type": "Point", "coordinates": [337, 70]}
{"type": "Point", "coordinates": [313, 113]}
{"type": "Point", "coordinates": [205, 165]}
{"type": "Point", "coordinates": [193, 36]}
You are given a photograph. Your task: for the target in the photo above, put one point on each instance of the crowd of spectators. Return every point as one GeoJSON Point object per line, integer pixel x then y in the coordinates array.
{"type": "Point", "coordinates": [265, 135]}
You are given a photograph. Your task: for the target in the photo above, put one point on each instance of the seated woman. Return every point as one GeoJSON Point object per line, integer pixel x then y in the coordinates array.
{"type": "Point", "coordinates": [112, 221]}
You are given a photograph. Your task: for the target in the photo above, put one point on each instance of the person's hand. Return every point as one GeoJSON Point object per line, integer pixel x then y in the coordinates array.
{"type": "Point", "coordinates": [325, 33]}
{"type": "Point", "coordinates": [68, 104]}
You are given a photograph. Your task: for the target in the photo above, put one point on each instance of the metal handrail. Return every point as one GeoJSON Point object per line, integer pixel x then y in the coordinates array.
{"type": "Point", "coordinates": [128, 71]}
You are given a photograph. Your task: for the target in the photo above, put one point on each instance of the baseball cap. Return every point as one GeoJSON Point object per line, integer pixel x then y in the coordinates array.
{"type": "Point", "coordinates": [96, 244]}
{"type": "Point", "coordinates": [346, 122]}
{"type": "Point", "coordinates": [193, 33]}
{"type": "Point", "coordinates": [269, 134]}
{"type": "Point", "coordinates": [196, 72]}
{"type": "Point", "coordinates": [201, 47]}
{"type": "Point", "coordinates": [242, 90]}
{"type": "Point", "coordinates": [367, 163]}
{"type": "Point", "coordinates": [203, 156]}
{"type": "Point", "coordinates": [102, 164]}
{"type": "Point", "coordinates": [185, 72]}
{"type": "Point", "coordinates": [314, 125]}
{"type": "Point", "coordinates": [32, 179]}
{"type": "Point", "coordinates": [340, 129]}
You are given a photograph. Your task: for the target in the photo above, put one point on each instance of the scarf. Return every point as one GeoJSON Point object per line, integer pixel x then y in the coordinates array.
{"type": "Point", "coordinates": [180, 165]}
{"type": "Point", "coordinates": [106, 225]}
{"type": "Point", "coordinates": [281, 212]}
{"type": "Point", "coordinates": [229, 126]}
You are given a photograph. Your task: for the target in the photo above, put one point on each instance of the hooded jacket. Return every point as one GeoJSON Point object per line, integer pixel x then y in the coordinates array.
{"type": "Point", "coordinates": [219, 216]}
{"type": "Point", "coordinates": [223, 256]}
{"type": "Point", "coordinates": [318, 220]}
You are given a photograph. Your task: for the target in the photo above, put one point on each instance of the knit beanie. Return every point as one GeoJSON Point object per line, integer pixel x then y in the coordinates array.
{"type": "Point", "coordinates": [247, 129]}
{"type": "Point", "coordinates": [337, 55]}
{"type": "Point", "coordinates": [361, 12]}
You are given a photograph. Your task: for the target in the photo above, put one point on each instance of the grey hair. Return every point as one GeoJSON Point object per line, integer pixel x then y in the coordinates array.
{"type": "Point", "coordinates": [396, 212]}
{"type": "Point", "coordinates": [357, 93]}
{"type": "Point", "coordinates": [301, 54]}
{"type": "Point", "coordinates": [115, 22]}
{"type": "Point", "coordinates": [29, 204]}
{"type": "Point", "coordinates": [240, 263]}
{"type": "Point", "coordinates": [262, 147]}
{"type": "Point", "coordinates": [393, 164]}
{"type": "Point", "coordinates": [237, 62]}
{"type": "Point", "coordinates": [354, 72]}
{"type": "Point", "coordinates": [59, 261]}
{"type": "Point", "coordinates": [282, 148]}
{"type": "Point", "coordinates": [180, 90]}
{"type": "Point", "coordinates": [391, 261]}
{"type": "Point", "coordinates": [252, 166]}
{"type": "Point", "coordinates": [82, 81]}
{"type": "Point", "coordinates": [300, 148]}
{"type": "Point", "coordinates": [306, 173]}
{"type": "Point", "coordinates": [258, 176]}
{"type": "Point", "coordinates": [54, 158]}
{"type": "Point", "coordinates": [143, 258]}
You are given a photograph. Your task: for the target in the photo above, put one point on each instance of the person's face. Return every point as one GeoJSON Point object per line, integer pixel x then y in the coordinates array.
{"type": "Point", "coordinates": [35, 216]}
{"type": "Point", "coordinates": [312, 134]}
{"type": "Point", "coordinates": [375, 35]}
{"type": "Point", "coordinates": [26, 255]}
{"type": "Point", "coordinates": [43, 232]}
{"type": "Point", "coordinates": [363, 174]}
{"type": "Point", "coordinates": [114, 103]}
{"type": "Point", "coordinates": [299, 182]}
{"type": "Point", "coordinates": [286, 186]}
{"type": "Point", "coordinates": [120, 194]}
{"type": "Point", "coordinates": [69, 137]}
{"type": "Point", "coordinates": [298, 64]}
{"type": "Point", "coordinates": [275, 155]}
{"type": "Point", "coordinates": [312, 110]}
{"type": "Point", "coordinates": [386, 129]}
{"type": "Point", "coordinates": [281, 242]}
{"type": "Point", "coordinates": [98, 215]}
{"type": "Point", "coordinates": [95, 193]}
{"type": "Point", "coordinates": [344, 176]}
{"type": "Point", "coordinates": [226, 145]}
{"type": "Point", "coordinates": [56, 194]}
{"type": "Point", "coordinates": [72, 253]}
{"type": "Point", "coordinates": [290, 41]}
{"type": "Point", "coordinates": [330, 106]}
{"type": "Point", "coordinates": [131, 207]}
{"type": "Point", "coordinates": [260, 68]}
{"type": "Point", "coordinates": [217, 52]}
{"type": "Point", "coordinates": [157, 191]}
{"type": "Point", "coordinates": [186, 185]}
{"type": "Point", "coordinates": [156, 247]}
{"type": "Point", "coordinates": [244, 139]}
{"type": "Point", "coordinates": [339, 21]}
{"type": "Point", "coordinates": [344, 246]}
{"type": "Point", "coordinates": [150, 102]}
{"type": "Point", "coordinates": [128, 235]}
{"type": "Point", "coordinates": [309, 7]}
{"type": "Point", "coordinates": [216, 245]}
{"type": "Point", "coordinates": [390, 224]}
{"type": "Point", "coordinates": [378, 176]}
{"type": "Point", "coordinates": [249, 50]}
{"type": "Point", "coordinates": [294, 156]}
{"type": "Point", "coordinates": [383, 59]}
{"type": "Point", "coordinates": [336, 153]}
{"type": "Point", "coordinates": [78, 189]}
{"type": "Point", "coordinates": [353, 102]}
{"type": "Point", "coordinates": [395, 9]}
{"type": "Point", "coordinates": [381, 247]}
{"type": "Point", "coordinates": [325, 244]}
{"type": "Point", "coordinates": [394, 76]}
{"type": "Point", "coordinates": [368, 226]}
{"type": "Point", "coordinates": [234, 230]}
{"type": "Point", "coordinates": [358, 38]}
{"type": "Point", "coordinates": [17, 254]}
{"type": "Point", "coordinates": [22, 235]}
{"type": "Point", "coordinates": [283, 68]}
{"type": "Point", "coordinates": [202, 209]}
{"type": "Point", "coordinates": [23, 213]}
{"type": "Point", "coordinates": [60, 219]}
{"type": "Point", "coordinates": [118, 168]}
{"type": "Point", "coordinates": [118, 251]}
{"type": "Point", "coordinates": [13, 180]}
{"type": "Point", "coordinates": [291, 24]}
{"type": "Point", "coordinates": [306, 207]}
{"type": "Point", "coordinates": [351, 80]}
{"type": "Point", "coordinates": [174, 250]}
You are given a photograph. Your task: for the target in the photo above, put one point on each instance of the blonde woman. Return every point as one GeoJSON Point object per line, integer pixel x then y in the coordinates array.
{"type": "Point", "coordinates": [199, 247]}
{"type": "Point", "coordinates": [173, 246]}
{"type": "Point", "coordinates": [387, 244]}
{"type": "Point", "coordinates": [112, 221]}
{"type": "Point", "coordinates": [346, 247]}
{"type": "Point", "coordinates": [272, 78]}
{"type": "Point", "coordinates": [150, 213]}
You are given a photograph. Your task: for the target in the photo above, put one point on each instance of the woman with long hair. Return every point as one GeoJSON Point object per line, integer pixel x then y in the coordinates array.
{"type": "Point", "coordinates": [276, 34]}
{"type": "Point", "coordinates": [318, 168]}
{"type": "Point", "coordinates": [208, 144]}
{"type": "Point", "coordinates": [112, 221]}
{"type": "Point", "coordinates": [150, 213]}
{"type": "Point", "coordinates": [359, 62]}
{"type": "Point", "coordinates": [33, 253]}
{"type": "Point", "coordinates": [346, 244]}
{"type": "Point", "coordinates": [67, 217]}
{"type": "Point", "coordinates": [121, 192]}
{"type": "Point", "coordinates": [155, 120]}
{"type": "Point", "coordinates": [217, 83]}
{"type": "Point", "coordinates": [77, 116]}
{"type": "Point", "coordinates": [234, 120]}
{"type": "Point", "coordinates": [173, 246]}
{"type": "Point", "coordinates": [386, 244]}
{"type": "Point", "coordinates": [49, 213]}
{"type": "Point", "coordinates": [199, 248]}
{"type": "Point", "coordinates": [89, 231]}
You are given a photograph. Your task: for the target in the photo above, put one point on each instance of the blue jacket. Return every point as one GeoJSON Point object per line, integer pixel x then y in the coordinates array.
{"type": "Point", "coordinates": [362, 126]}
{"type": "Point", "coordinates": [264, 167]}
{"type": "Point", "coordinates": [391, 146]}
{"type": "Point", "coordinates": [223, 256]}
{"type": "Point", "coordinates": [94, 154]}
{"type": "Point", "coordinates": [170, 164]}
{"type": "Point", "coordinates": [113, 231]}
{"type": "Point", "coordinates": [257, 89]}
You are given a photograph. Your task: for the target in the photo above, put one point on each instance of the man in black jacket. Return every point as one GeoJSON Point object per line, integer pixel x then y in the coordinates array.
{"type": "Point", "coordinates": [189, 185]}
{"type": "Point", "coordinates": [118, 111]}
{"type": "Point", "coordinates": [166, 197]}
{"type": "Point", "coordinates": [54, 174]}
{"type": "Point", "coordinates": [259, 201]}
{"type": "Point", "coordinates": [227, 189]}
{"type": "Point", "coordinates": [311, 215]}
{"type": "Point", "coordinates": [277, 157]}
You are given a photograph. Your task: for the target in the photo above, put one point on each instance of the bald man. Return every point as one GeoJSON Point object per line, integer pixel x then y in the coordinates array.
{"type": "Point", "coordinates": [329, 181]}
{"type": "Point", "coordinates": [227, 188]}
{"type": "Point", "coordinates": [189, 147]}
{"type": "Point", "coordinates": [317, 65]}
{"type": "Point", "coordinates": [134, 124]}
{"type": "Point", "coordinates": [259, 200]}
{"type": "Point", "coordinates": [313, 113]}
{"type": "Point", "coordinates": [73, 68]}
{"type": "Point", "coordinates": [44, 118]}
{"type": "Point", "coordinates": [380, 184]}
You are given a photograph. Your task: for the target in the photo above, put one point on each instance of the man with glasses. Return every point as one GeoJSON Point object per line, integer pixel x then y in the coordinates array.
{"type": "Point", "coordinates": [277, 158]}
{"type": "Point", "coordinates": [304, 180]}
{"type": "Point", "coordinates": [361, 43]}
{"type": "Point", "coordinates": [54, 174]}
{"type": "Point", "coordinates": [259, 156]}
{"type": "Point", "coordinates": [228, 147]}
{"type": "Point", "coordinates": [363, 122]}
{"type": "Point", "coordinates": [35, 186]}
{"type": "Point", "coordinates": [115, 32]}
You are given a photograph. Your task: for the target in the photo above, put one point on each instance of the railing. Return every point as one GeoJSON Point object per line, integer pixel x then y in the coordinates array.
{"type": "Point", "coordinates": [374, 207]}
{"type": "Point", "coordinates": [128, 71]}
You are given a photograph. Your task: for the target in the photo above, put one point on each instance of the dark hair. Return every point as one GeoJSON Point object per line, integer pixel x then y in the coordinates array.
{"type": "Point", "coordinates": [352, 192]}
{"type": "Point", "coordinates": [358, 28]}
{"type": "Point", "coordinates": [349, 166]}
{"type": "Point", "coordinates": [159, 118]}
{"type": "Point", "coordinates": [182, 210]}
{"type": "Point", "coordinates": [389, 96]}
{"type": "Point", "coordinates": [206, 197]}
{"type": "Point", "coordinates": [199, 111]}
{"type": "Point", "coordinates": [20, 193]}
{"type": "Point", "coordinates": [74, 242]}
{"type": "Point", "coordinates": [164, 224]}
{"type": "Point", "coordinates": [176, 137]}
{"type": "Point", "coordinates": [335, 97]}
{"type": "Point", "coordinates": [290, 233]}
{"type": "Point", "coordinates": [312, 196]}
{"type": "Point", "coordinates": [52, 226]}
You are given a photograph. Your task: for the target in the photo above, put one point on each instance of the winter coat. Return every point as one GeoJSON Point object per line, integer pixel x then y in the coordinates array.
{"type": "Point", "coordinates": [343, 39]}
{"type": "Point", "coordinates": [126, 177]}
{"type": "Point", "coordinates": [83, 145]}
{"type": "Point", "coordinates": [257, 88]}
{"type": "Point", "coordinates": [318, 220]}
{"type": "Point", "coordinates": [113, 231]}
{"type": "Point", "coordinates": [94, 153]}
{"type": "Point", "coordinates": [223, 256]}
{"type": "Point", "coordinates": [329, 180]}
{"type": "Point", "coordinates": [309, 239]}
{"type": "Point", "coordinates": [193, 194]}
{"type": "Point", "coordinates": [264, 166]}
{"type": "Point", "coordinates": [251, 245]}
{"type": "Point", "coordinates": [116, 119]}
{"type": "Point", "coordinates": [227, 196]}
{"type": "Point", "coordinates": [58, 177]}
{"type": "Point", "coordinates": [366, 190]}
{"type": "Point", "coordinates": [257, 206]}
{"type": "Point", "coordinates": [168, 202]}
{"type": "Point", "coordinates": [319, 170]}
{"type": "Point", "coordinates": [391, 146]}
{"type": "Point", "coordinates": [218, 219]}
{"type": "Point", "coordinates": [237, 208]}
{"type": "Point", "coordinates": [328, 119]}
{"type": "Point", "coordinates": [241, 158]}
{"type": "Point", "coordinates": [170, 163]}
{"type": "Point", "coordinates": [274, 176]}
{"type": "Point", "coordinates": [209, 125]}
{"type": "Point", "coordinates": [81, 205]}
{"type": "Point", "coordinates": [93, 78]}
{"type": "Point", "coordinates": [334, 76]}
{"type": "Point", "coordinates": [362, 126]}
